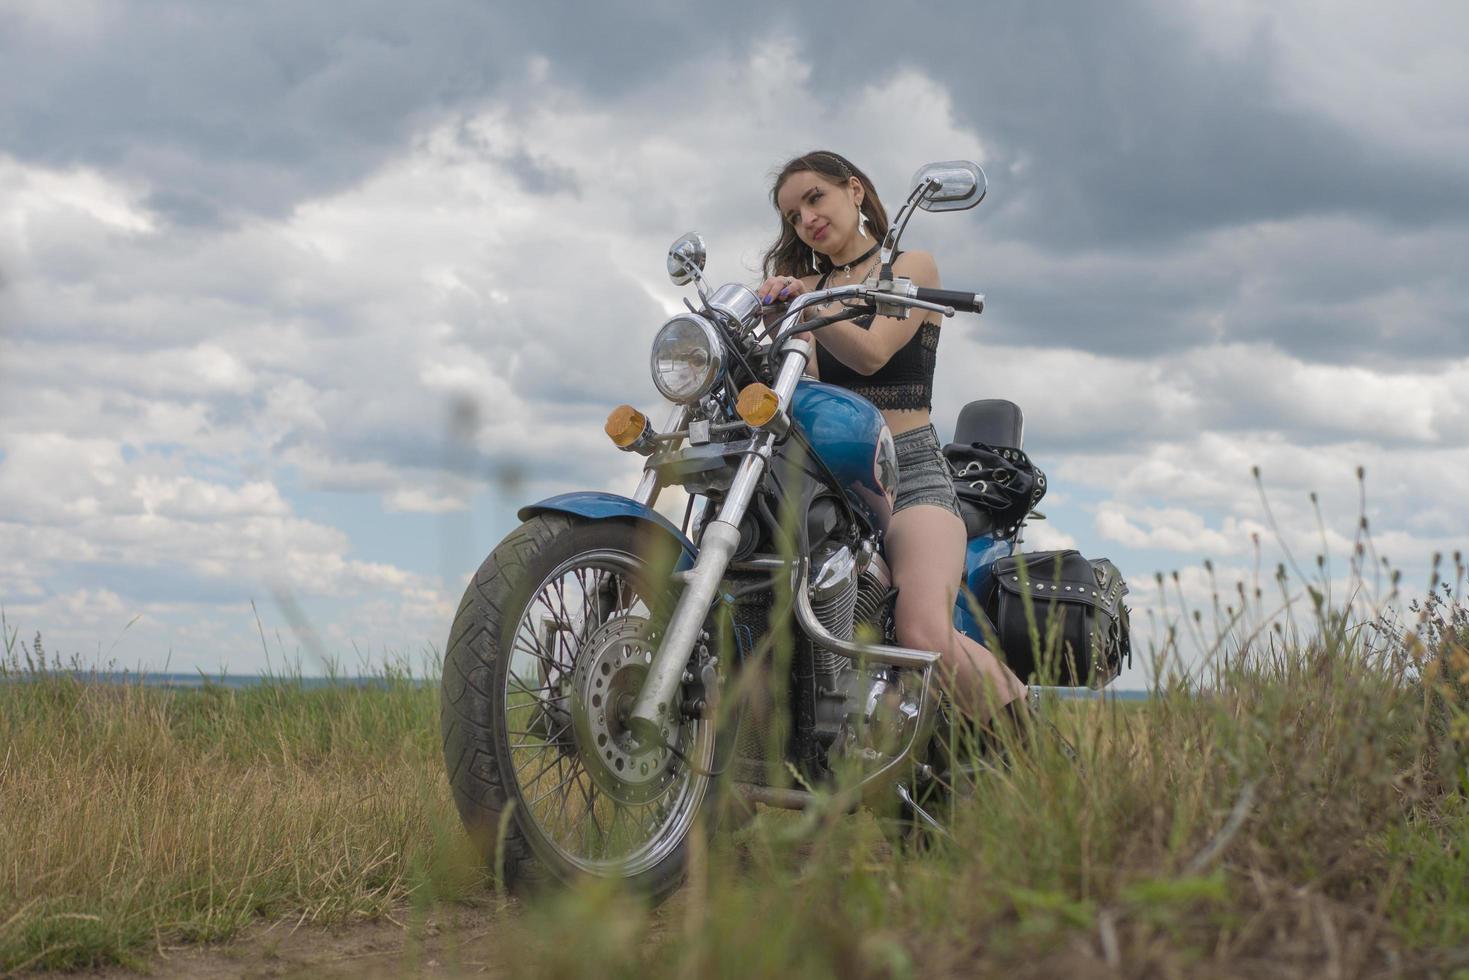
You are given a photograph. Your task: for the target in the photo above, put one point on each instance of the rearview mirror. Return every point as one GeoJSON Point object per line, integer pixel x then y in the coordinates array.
{"type": "Point", "coordinates": [956, 185]}
{"type": "Point", "coordinates": [686, 258]}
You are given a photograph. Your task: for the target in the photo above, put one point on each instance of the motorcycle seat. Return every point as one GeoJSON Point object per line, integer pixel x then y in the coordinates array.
{"type": "Point", "coordinates": [992, 421]}
{"type": "Point", "coordinates": [976, 521]}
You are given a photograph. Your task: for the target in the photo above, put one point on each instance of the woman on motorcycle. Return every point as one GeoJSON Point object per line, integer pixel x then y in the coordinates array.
{"type": "Point", "coordinates": [831, 226]}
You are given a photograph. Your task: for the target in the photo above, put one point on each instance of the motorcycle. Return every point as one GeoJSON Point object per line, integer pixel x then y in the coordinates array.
{"type": "Point", "coordinates": [610, 674]}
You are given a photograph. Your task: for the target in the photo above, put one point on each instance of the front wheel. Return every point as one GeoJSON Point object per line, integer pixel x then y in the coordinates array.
{"type": "Point", "coordinates": [550, 645]}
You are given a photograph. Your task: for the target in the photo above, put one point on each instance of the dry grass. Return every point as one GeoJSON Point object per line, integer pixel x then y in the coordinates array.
{"type": "Point", "coordinates": [134, 816]}
{"type": "Point", "coordinates": [1305, 817]}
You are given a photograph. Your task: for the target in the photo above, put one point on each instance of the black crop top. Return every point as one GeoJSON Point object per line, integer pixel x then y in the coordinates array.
{"type": "Point", "coordinates": [904, 382]}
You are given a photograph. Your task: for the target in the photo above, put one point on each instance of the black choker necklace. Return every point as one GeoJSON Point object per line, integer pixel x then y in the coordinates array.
{"type": "Point", "coordinates": [847, 269]}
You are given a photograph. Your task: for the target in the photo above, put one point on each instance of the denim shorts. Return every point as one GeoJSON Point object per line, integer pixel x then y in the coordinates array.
{"type": "Point", "coordinates": [923, 473]}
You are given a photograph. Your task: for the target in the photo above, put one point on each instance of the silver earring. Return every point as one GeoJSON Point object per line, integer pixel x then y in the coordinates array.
{"type": "Point", "coordinates": [813, 261]}
{"type": "Point", "coordinates": [861, 222]}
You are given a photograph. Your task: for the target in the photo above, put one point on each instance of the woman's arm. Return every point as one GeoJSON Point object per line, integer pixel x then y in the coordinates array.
{"type": "Point", "coordinates": [866, 351]}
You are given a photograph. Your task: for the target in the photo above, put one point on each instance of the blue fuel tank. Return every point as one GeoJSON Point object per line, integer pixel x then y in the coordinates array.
{"type": "Point", "coordinates": [849, 434]}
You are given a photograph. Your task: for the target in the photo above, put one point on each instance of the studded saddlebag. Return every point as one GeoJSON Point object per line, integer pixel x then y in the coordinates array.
{"type": "Point", "coordinates": [1059, 618]}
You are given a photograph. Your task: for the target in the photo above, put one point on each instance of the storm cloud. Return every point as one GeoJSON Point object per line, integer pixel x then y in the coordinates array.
{"type": "Point", "coordinates": [311, 297]}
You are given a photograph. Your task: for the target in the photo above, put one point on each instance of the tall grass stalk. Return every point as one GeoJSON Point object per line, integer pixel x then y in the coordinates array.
{"type": "Point", "coordinates": [136, 816]}
{"type": "Point", "coordinates": [1299, 810]}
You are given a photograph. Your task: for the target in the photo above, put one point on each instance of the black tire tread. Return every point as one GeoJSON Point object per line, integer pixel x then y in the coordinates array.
{"type": "Point", "coordinates": [465, 721]}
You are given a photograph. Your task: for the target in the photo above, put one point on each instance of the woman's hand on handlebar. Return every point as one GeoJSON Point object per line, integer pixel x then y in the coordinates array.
{"type": "Point", "coordinates": [780, 289]}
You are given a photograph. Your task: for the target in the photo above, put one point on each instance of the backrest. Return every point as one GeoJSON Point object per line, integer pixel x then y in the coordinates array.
{"type": "Point", "coordinates": [992, 421]}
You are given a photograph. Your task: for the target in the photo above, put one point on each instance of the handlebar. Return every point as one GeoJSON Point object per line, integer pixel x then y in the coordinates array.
{"type": "Point", "coordinates": [903, 293]}
{"type": "Point", "coordinates": [947, 301]}
{"type": "Point", "coordinates": [959, 300]}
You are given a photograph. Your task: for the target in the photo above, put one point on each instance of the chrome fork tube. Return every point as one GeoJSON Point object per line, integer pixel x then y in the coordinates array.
{"type": "Point", "coordinates": [653, 712]}
{"type": "Point", "coordinates": [648, 487]}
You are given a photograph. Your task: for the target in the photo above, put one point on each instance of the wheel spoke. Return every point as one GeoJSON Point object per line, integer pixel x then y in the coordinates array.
{"type": "Point", "coordinates": [556, 756]}
{"type": "Point", "coordinates": [566, 790]}
{"type": "Point", "coordinates": [541, 742]}
{"type": "Point", "coordinates": [612, 827]}
{"type": "Point", "coordinates": [589, 598]}
{"type": "Point", "coordinates": [556, 618]}
{"type": "Point", "coordinates": [545, 739]}
{"type": "Point", "coordinates": [566, 616]}
{"type": "Point", "coordinates": [553, 789]}
{"type": "Point", "coordinates": [517, 685]}
{"type": "Point", "coordinates": [570, 629]}
{"type": "Point", "coordinates": [539, 651]}
{"type": "Point", "coordinates": [588, 797]}
{"type": "Point", "coordinates": [648, 809]}
{"type": "Point", "coordinates": [557, 778]}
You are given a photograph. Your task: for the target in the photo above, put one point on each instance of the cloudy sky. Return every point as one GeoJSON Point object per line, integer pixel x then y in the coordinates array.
{"type": "Point", "coordinates": [298, 302]}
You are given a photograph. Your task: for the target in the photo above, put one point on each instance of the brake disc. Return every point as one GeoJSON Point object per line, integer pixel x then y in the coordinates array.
{"type": "Point", "coordinates": [609, 673]}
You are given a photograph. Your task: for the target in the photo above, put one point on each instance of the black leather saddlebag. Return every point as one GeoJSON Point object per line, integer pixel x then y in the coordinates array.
{"type": "Point", "coordinates": [1059, 618]}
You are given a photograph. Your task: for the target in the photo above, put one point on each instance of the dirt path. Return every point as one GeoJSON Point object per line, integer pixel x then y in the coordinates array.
{"type": "Point", "coordinates": [452, 941]}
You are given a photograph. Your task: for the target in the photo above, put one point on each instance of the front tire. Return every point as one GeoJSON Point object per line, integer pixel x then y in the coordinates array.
{"type": "Point", "coordinates": [550, 641]}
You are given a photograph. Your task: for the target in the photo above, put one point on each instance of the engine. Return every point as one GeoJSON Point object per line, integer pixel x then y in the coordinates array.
{"type": "Point", "coordinates": [833, 593]}
{"type": "Point", "coordinates": [848, 591]}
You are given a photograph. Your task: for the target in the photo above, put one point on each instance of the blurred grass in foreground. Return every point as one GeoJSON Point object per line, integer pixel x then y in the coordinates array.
{"type": "Point", "coordinates": [1305, 814]}
{"type": "Point", "coordinates": [135, 816]}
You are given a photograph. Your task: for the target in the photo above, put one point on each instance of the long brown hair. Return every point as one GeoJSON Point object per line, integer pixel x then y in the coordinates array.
{"type": "Point", "coordinates": [790, 256]}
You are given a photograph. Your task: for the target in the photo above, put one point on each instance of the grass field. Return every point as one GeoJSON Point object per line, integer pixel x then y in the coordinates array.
{"type": "Point", "coordinates": [1306, 816]}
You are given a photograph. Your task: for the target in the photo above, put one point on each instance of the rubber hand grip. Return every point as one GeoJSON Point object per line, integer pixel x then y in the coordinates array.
{"type": "Point", "coordinates": [961, 301]}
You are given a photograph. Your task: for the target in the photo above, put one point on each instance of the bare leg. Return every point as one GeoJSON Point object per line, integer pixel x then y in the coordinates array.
{"type": "Point", "coordinates": [925, 550]}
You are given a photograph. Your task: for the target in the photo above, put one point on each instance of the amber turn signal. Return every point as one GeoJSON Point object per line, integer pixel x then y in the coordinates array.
{"type": "Point", "coordinates": [757, 404]}
{"type": "Point", "coordinates": [625, 425]}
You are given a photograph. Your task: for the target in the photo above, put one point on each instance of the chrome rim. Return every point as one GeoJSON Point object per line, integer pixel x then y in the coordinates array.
{"type": "Point", "coordinates": [580, 645]}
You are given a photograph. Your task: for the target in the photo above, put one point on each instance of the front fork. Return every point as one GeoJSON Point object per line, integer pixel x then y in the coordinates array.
{"type": "Point", "coordinates": [653, 712]}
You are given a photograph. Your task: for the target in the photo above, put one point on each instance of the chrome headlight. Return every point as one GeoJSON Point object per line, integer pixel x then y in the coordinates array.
{"type": "Point", "coordinates": [688, 358]}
